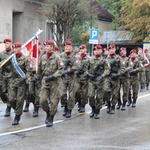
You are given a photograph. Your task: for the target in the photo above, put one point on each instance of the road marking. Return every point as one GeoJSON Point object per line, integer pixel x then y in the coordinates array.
{"type": "Point", "coordinates": [28, 129]}
{"type": "Point", "coordinates": [143, 96]}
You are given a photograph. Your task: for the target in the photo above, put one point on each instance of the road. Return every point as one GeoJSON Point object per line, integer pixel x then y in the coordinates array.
{"type": "Point", "coordinates": [125, 130]}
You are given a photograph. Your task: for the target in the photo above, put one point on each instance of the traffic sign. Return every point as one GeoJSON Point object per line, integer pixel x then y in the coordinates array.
{"type": "Point", "coordinates": [94, 33]}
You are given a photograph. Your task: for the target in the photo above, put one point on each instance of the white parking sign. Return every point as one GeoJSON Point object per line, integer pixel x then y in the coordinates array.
{"type": "Point", "coordinates": [94, 33]}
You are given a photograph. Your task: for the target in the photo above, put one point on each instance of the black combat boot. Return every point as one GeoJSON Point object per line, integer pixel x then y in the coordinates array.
{"type": "Point", "coordinates": [50, 121]}
{"type": "Point", "coordinates": [119, 104]}
{"type": "Point", "coordinates": [134, 103]}
{"type": "Point", "coordinates": [26, 108]}
{"type": "Point", "coordinates": [108, 107]}
{"type": "Point", "coordinates": [147, 85]}
{"type": "Point", "coordinates": [65, 110]}
{"type": "Point", "coordinates": [123, 108]}
{"type": "Point", "coordinates": [79, 106]}
{"type": "Point", "coordinates": [68, 115]}
{"type": "Point", "coordinates": [92, 112]}
{"type": "Point", "coordinates": [36, 111]}
{"type": "Point", "coordinates": [82, 109]}
{"type": "Point", "coordinates": [97, 114]}
{"type": "Point", "coordinates": [47, 115]}
{"type": "Point", "coordinates": [7, 111]}
{"type": "Point", "coordinates": [16, 120]}
{"type": "Point", "coordinates": [112, 110]}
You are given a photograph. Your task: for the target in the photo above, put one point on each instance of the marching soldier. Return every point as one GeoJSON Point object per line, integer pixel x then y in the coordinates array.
{"type": "Point", "coordinates": [116, 69]}
{"type": "Point", "coordinates": [49, 96]}
{"type": "Point", "coordinates": [134, 82]}
{"type": "Point", "coordinates": [17, 84]}
{"type": "Point", "coordinates": [99, 70]}
{"type": "Point", "coordinates": [70, 64]}
{"type": "Point", "coordinates": [6, 74]}
{"type": "Point", "coordinates": [81, 80]}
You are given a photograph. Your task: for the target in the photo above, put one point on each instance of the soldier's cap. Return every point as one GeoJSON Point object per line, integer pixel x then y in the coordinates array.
{"type": "Point", "coordinates": [7, 40]}
{"type": "Point", "coordinates": [48, 42]}
{"type": "Point", "coordinates": [145, 50]}
{"type": "Point", "coordinates": [133, 51]}
{"type": "Point", "coordinates": [112, 46]}
{"type": "Point", "coordinates": [122, 49]}
{"type": "Point", "coordinates": [98, 46]}
{"type": "Point", "coordinates": [16, 45]}
{"type": "Point", "coordinates": [68, 42]}
{"type": "Point", "coordinates": [82, 46]}
{"type": "Point", "coordinates": [56, 48]}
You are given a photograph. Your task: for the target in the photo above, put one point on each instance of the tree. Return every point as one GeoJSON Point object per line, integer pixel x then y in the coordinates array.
{"type": "Point", "coordinates": [135, 15]}
{"type": "Point", "coordinates": [63, 15]}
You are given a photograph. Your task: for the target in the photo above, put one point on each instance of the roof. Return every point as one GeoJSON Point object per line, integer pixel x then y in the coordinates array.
{"type": "Point", "coordinates": [102, 13]}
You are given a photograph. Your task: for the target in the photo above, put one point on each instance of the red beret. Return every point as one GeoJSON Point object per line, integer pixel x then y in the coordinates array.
{"type": "Point", "coordinates": [39, 43]}
{"type": "Point", "coordinates": [146, 50]}
{"type": "Point", "coordinates": [112, 46]}
{"type": "Point", "coordinates": [68, 42]}
{"type": "Point", "coordinates": [7, 40]}
{"type": "Point", "coordinates": [56, 48]}
{"type": "Point", "coordinates": [122, 48]}
{"type": "Point", "coordinates": [97, 47]}
{"type": "Point", "coordinates": [133, 51]}
{"type": "Point", "coordinates": [82, 46]}
{"type": "Point", "coordinates": [16, 44]}
{"type": "Point", "coordinates": [49, 42]}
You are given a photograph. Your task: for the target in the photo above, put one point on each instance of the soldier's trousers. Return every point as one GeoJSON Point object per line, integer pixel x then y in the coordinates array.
{"type": "Point", "coordinates": [81, 92]}
{"type": "Point", "coordinates": [95, 94]}
{"type": "Point", "coordinates": [124, 85]}
{"type": "Point", "coordinates": [142, 78]}
{"type": "Point", "coordinates": [67, 93]}
{"type": "Point", "coordinates": [16, 95]}
{"type": "Point", "coordinates": [49, 96]}
{"type": "Point", "coordinates": [147, 77]}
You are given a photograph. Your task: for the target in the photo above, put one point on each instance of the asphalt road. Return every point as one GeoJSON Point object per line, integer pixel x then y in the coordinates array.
{"type": "Point", "coordinates": [125, 130]}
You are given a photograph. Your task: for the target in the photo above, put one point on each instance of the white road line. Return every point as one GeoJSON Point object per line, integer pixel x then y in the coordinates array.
{"type": "Point", "coordinates": [28, 129]}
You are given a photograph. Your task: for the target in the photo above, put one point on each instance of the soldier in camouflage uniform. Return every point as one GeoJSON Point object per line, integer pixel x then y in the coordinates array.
{"type": "Point", "coordinates": [98, 71]}
{"type": "Point", "coordinates": [147, 69]}
{"type": "Point", "coordinates": [49, 68]}
{"type": "Point", "coordinates": [116, 68]}
{"type": "Point", "coordinates": [136, 67]}
{"type": "Point", "coordinates": [124, 79]}
{"type": "Point", "coordinates": [81, 80]}
{"type": "Point", "coordinates": [17, 84]}
{"type": "Point", "coordinates": [6, 74]}
{"type": "Point", "coordinates": [70, 64]}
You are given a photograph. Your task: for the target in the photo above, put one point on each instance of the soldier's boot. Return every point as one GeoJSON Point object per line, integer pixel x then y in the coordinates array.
{"type": "Point", "coordinates": [36, 111]}
{"type": "Point", "coordinates": [108, 107]}
{"type": "Point", "coordinates": [50, 121]}
{"type": "Point", "coordinates": [112, 110]}
{"type": "Point", "coordinates": [134, 103]}
{"type": "Point", "coordinates": [118, 105]}
{"type": "Point", "coordinates": [123, 108]}
{"type": "Point", "coordinates": [141, 89]}
{"type": "Point", "coordinates": [7, 111]}
{"type": "Point", "coordinates": [97, 114]}
{"type": "Point", "coordinates": [129, 102]}
{"type": "Point", "coordinates": [79, 106]}
{"type": "Point", "coordinates": [147, 86]}
{"type": "Point", "coordinates": [16, 120]}
{"type": "Point", "coordinates": [65, 110]}
{"type": "Point", "coordinates": [47, 116]}
{"type": "Point", "coordinates": [92, 112]}
{"type": "Point", "coordinates": [26, 108]}
{"type": "Point", "coordinates": [68, 115]}
{"type": "Point", "coordinates": [82, 109]}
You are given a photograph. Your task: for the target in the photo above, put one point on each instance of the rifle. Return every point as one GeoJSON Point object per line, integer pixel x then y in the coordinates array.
{"type": "Point", "coordinates": [80, 71]}
{"type": "Point", "coordinates": [133, 71]}
{"type": "Point", "coordinates": [67, 64]}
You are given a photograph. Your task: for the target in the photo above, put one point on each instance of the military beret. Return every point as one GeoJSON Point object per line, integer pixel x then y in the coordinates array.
{"type": "Point", "coordinates": [122, 48]}
{"type": "Point", "coordinates": [68, 42]}
{"type": "Point", "coordinates": [49, 42]}
{"type": "Point", "coordinates": [56, 48]}
{"type": "Point", "coordinates": [7, 40]}
{"type": "Point", "coordinates": [133, 51]}
{"type": "Point", "coordinates": [39, 43]}
{"type": "Point", "coordinates": [82, 46]}
{"type": "Point", "coordinates": [112, 46]}
{"type": "Point", "coordinates": [146, 50]}
{"type": "Point", "coordinates": [16, 44]}
{"type": "Point", "coordinates": [97, 47]}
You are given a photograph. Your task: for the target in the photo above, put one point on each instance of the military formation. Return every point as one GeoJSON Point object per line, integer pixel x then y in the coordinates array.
{"type": "Point", "coordinates": [71, 78]}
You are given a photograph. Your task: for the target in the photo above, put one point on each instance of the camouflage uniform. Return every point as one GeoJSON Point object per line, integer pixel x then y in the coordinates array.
{"type": "Point", "coordinates": [49, 67]}
{"type": "Point", "coordinates": [99, 68]}
{"type": "Point", "coordinates": [67, 82]}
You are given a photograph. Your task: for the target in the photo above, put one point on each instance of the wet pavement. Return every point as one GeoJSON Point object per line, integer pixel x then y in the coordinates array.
{"type": "Point", "coordinates": [125, 130]}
